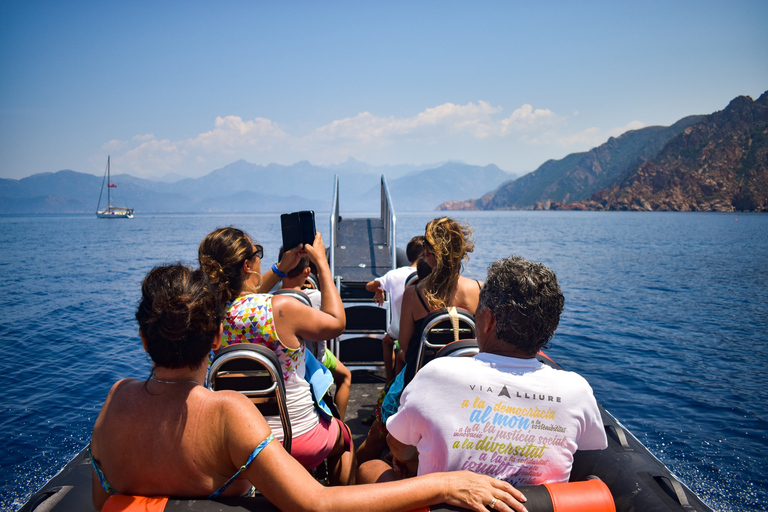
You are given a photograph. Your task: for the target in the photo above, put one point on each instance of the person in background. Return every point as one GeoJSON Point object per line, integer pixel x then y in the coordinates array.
{"type": "Point", "coordinates": [298, 279]}
{"type": "Point", "coordinates": [539, 416]}
{"type": "Point", "coordinates": [232, 262]}
{"type": "Point", "coordinates": [393, 282]}
{"type": "Point", "coordinates": [171, 436]}
{"type": "Point", "coordinates": [447, 245]}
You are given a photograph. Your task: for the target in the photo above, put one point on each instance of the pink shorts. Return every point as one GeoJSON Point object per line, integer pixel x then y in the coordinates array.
{"type": "Point", "coordinates": [312, 448]}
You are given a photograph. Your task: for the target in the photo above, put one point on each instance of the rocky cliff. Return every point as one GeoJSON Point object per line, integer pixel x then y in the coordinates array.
{"type": "Point", "coordinates": [718, 164]}
{"type": "Point", "coordinates": [701, 163]}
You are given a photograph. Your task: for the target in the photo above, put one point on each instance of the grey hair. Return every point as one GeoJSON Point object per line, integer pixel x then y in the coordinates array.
{"type": "Point", "coordinates": [525, 300]}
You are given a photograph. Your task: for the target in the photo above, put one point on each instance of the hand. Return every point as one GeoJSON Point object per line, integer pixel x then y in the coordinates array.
{"type": "Point", "coordinates": [477, 492]}
{"type": "Point", "coordinates": [405, 469]}
{"type": "Point", "coordinates": [378, 297]}
{"type": "Point", "coordinates": [291, 258]}
{"type": "Point", "coordinates": [316, 251]}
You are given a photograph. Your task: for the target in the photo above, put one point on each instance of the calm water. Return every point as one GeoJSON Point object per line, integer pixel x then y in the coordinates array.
{"type": "Point", "coordinates": [666, 316]}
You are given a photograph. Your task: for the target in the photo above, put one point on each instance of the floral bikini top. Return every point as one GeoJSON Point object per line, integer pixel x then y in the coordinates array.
{"type": "Point", "coordinates": [256, 451]}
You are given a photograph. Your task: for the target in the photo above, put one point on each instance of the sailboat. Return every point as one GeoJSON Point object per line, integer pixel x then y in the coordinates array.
{"type": "Point", "coordinates": [111, 212]}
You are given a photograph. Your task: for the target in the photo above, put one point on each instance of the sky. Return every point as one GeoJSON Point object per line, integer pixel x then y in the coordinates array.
{"type": "Point", "coordinates": [187, 87]}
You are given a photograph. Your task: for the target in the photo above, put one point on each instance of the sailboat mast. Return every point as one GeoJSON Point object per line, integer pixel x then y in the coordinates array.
{"type": "Point", "coordinates": [109, 187]}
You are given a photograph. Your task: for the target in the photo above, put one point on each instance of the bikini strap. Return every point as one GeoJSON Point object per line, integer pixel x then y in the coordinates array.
{"type": "Point", "coordinates": [256, 451]}
{"type": "Point", "coordinates": [479, 287]}
{"type": "Point", "coordinates": [421, 299]}
{"type": "Point", "coordinates": [102, 479]}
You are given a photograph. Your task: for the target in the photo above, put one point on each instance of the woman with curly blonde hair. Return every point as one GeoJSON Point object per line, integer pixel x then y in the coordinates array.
{"type": "Point", "coordinates": [446, 249]}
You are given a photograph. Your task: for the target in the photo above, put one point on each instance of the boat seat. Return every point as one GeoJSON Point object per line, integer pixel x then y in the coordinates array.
{"type": "Point", "coordinates": [441, 327]}
{"type": "Point", "coordinates": [412, 279]}
{"type": "Point", "coordinates": [459, 348]}
{"type": "Point", "coordinates": [296, 294]}
{"type": "Point", "coordinates": [312, 279]}
{"type": "Point", "coordinates": [254, 371]}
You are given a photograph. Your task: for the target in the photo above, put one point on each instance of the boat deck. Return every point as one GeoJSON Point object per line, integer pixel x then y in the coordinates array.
{"type": "Point", "coordinates": [366, 387]}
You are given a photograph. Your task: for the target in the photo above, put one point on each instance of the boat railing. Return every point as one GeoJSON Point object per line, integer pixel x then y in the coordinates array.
{"type": "Point", "coordinates": [389, 219]}
{"type": "Point", "coordinates": [334, 225]}
{"type": "Point", "coordinates": [362, 249]}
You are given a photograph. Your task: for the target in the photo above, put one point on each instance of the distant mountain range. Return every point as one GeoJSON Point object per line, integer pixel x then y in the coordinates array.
{"type": "Point", "coordinates": [717, 162]}
{"type": "Point", "coordinates": [246, 187]}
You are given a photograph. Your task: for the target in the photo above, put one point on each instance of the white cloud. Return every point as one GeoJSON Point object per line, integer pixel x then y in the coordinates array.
{"type": "Point", "coordinates": [446, 118]}
{"type": "Point", "coordinates": [153, 156]}
{"type": "Point", "coordinates": [526, 118]}
{"type": "Point", "coordinates": [475, 130]}
{"type": "Point", "coordinates": [232, 134]}
{"type": "Point", "coordinates": [634, 125]}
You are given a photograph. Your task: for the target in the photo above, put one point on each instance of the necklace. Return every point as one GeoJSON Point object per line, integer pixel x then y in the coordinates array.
{"type": "Point", "coordinates": [175, 381]}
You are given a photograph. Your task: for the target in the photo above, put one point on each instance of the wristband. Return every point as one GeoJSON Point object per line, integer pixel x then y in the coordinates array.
{"type": "Point", "coordinates": [279, 273]}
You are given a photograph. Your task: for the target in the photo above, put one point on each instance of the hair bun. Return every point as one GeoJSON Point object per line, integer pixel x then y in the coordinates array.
{"type": "Point", "coordinates": [174, 318]}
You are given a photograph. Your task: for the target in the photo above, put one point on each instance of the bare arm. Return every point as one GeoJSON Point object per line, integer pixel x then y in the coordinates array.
{"type": "Point", "coordinates": [331, 300]}
{"type": "Point", "coordinates": [98, 495]}
{"type": "Point", "coordinates": [375, 286]}
{"type": "Point", "coordinates": [407, 322]}
{"type": "Point", "coordinates": [405, 457]}
{"type": "Point", "coordinates": [294, 321]}
{"type": "Point", "coordinates": [288, 485]}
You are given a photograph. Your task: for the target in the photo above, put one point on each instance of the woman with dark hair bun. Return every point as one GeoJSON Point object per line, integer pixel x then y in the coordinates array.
{"type": "Point", "coordinates": [171, 436]}
{"type": "Point", "coordinates": [233, 263]}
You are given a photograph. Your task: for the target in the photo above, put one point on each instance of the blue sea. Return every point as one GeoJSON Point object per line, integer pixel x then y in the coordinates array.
{"type": "Point", "coordinates": [666, 316]}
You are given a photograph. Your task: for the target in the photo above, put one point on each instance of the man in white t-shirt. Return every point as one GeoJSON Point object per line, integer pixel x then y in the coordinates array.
{"type": "Point", "coordinates": [393, 282]}
{"type": "Point", "coordinates": [501, 413]}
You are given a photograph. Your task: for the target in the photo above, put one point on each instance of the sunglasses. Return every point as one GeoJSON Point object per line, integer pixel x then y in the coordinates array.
{"type": "Point", "coordinates": [257, 251]}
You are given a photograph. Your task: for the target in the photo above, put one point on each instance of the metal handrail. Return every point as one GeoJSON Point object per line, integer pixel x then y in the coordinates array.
{"type": "Point", "coordinates": [334, 224]}
{"type": "Point", "coordinates": [389, 219]}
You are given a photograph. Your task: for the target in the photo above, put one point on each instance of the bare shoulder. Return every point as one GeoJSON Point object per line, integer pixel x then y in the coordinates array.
{"type": "Point", "coordinates": [409, 298]}
{"type": "Point", "coordinates": [235, 408]}
{"type": "Point", "coordinates": [468, 293]}
{"type": "Point", "coordinates": [236, 416]}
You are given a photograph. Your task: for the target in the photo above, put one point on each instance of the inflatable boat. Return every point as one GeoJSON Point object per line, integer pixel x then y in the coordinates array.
{"type": "Point", "coordinates": [625, 476]}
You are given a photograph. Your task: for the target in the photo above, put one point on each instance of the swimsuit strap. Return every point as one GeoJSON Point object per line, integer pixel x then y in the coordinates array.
{"type": "Point", "coordinates": [479, 287]}
{"type": "Point", "coordinates": [422, 300]}
{"type": "Point", "coordinates": [256, 451]}
{"type": "Point", "coordinates": [104, 484]}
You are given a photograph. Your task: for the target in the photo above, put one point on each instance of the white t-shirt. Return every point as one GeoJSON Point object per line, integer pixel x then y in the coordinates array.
{"type": "Point", "coordinates": [393, 282]}
{"type": "Point", "coordinates": [515, 419]}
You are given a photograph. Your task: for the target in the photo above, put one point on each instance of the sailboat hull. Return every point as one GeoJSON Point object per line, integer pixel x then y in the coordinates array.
{"type": "Point", "coordinates": [115, 214]}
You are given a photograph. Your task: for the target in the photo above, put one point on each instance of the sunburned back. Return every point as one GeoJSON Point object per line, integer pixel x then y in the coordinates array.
{"type": "Point", "coordinates": [159, 438]}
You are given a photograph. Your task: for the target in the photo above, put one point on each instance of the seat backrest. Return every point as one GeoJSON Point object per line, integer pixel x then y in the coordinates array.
{"type": "Point", "coordinates": [254, 371]}
{"type": "Point", "coordinates": [312, 278]}
{"type": "Point", "coordinates": [460, 348]}
{"type": "Point", "coordinates": [441, 327]}
{"type": "Point", "coordinates": [411, 279]}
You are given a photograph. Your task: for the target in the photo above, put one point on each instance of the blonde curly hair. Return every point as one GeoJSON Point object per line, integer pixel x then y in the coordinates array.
{"type": "Point", "coordinates": [450, 242]}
